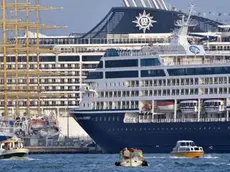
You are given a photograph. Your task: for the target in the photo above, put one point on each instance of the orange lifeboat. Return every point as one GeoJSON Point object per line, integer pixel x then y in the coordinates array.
{"type": "Point", "coordinates": [165, 105]}
{"type": "Point", "coordinates": [37, 123]}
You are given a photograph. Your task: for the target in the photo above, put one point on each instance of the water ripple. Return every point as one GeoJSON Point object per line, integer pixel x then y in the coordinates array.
{"type": "Point", "coordinates": [105, 163]}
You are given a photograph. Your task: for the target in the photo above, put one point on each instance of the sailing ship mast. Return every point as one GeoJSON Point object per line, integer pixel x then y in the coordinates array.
{"type": "Point", "coordinates": [19, 49]}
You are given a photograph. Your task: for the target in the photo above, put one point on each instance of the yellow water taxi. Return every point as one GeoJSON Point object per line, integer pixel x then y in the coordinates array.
{"type": "Point", "coordinates": [187, 149]}
{"type": "Point", "coordinates": [12, 148]}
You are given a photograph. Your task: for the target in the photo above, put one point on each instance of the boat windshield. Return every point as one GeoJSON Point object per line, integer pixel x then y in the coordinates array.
{"type": "Point", "coordinates": [192, 144]}
{"type": "Point", "coordinates": [187, 144]}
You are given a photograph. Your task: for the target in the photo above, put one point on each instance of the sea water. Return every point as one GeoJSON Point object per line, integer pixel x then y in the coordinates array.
{"type": "Point", "coordinates": [105, 163]}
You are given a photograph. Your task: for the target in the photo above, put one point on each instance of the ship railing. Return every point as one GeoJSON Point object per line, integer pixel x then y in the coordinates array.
{"type": "Point", "coordinates": [149, 53]}
{"type": "Point", "coordinates": [189, 120]}
{"type": "Point", "coordinates": [214, 52]}
{"type": "Point", "coordinates": [71, 40]}
{"type": "Point", "coordinates": [135, 120]}
{"type": "Point", "coordinates": [197, 62]}
{"type": "Point", "coordinates": [131, 120]}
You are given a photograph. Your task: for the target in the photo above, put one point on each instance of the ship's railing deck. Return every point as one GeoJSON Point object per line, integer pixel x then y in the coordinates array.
{"type": "Point", "coordinates": [196, 62]}
{"type": "Point", "coordinates": [176, 120]}
{"type": "Point", "coordinates": [72, 40]}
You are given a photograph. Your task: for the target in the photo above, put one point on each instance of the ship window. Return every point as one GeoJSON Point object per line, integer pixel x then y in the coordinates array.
{"type": "Point", "coordinates": [199, 71]}
{"type": "Point", "coordinates": [121, 63]}
{"type": "Point", "coordinates": [118, 119]}
{"type": "Point", "coordinates": [122, 74]}
{"type": "Point", "coordinates": [100, 65]}
{"type": "Point", "coordinates": [152, 73]}
{"type": "Point", "coordinates": [91, 58]}
{"type": "Point", "coordinates": [68, 58]}
{"type": "Point", "coordinates": [150, 62]}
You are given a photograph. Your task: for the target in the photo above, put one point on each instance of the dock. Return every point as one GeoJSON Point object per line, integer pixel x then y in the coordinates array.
{"type": "Point", "coordinates": [61, 150]}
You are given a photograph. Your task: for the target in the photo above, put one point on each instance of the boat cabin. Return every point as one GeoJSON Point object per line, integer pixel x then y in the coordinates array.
{"type": "Point", "coordinates": [189, 106]}
{"type": "Point", "coordinates": [214, 106]}
{"type": "Point", "coordinates": [11, 144]}
{"type": "Point", "coordinates": [186, 146]}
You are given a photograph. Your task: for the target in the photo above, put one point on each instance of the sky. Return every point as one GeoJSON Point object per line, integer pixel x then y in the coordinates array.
{"type": "Point", "coordinates": [81, 15]}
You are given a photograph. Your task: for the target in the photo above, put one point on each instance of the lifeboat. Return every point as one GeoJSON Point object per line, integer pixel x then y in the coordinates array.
{"type": "Point", "coordinates": [165, 105]}
{"type": "Point", "coordinates": [131, 158]}
{"type": "Point", "coordinates": [187, 149]}
{"type": "Point", "coordinates": [214, 106]}
{"type": "Point", "coordinates": [189, 106]}
{"type": "Point", "coordinates": [37, 123]}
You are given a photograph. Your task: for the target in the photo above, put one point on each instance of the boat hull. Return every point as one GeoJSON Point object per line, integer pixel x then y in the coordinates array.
{"type": "Point", "coordinates": [188, 154]}
{"type": "Point", "coordinates": [113, 134]}
{"type": "Point", "coordinates": [14, 153]}
{"type": "Point", "coordinates": [132, 163]}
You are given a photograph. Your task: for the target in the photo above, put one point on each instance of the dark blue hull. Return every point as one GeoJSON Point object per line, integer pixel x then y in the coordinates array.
{"type": "Point", "coordinates": [111, 133]}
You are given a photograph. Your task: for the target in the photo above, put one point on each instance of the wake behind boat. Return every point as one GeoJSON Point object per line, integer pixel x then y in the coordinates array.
{"type": "Point", "coordinates": [131, 158]}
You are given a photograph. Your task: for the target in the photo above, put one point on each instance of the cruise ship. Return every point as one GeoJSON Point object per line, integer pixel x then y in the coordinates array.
{"type": "Point", "coordinates": [123, 28]}
{"type": "Point", "coordinates": [151, 98]}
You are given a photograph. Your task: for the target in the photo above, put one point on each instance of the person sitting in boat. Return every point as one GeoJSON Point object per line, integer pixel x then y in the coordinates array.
{"type": "Point", "coordinates": [6, 146]}
{"type": "Point", "coordinates": [139, 153]}
{"type": "Point", "coordinates": [126, 153]}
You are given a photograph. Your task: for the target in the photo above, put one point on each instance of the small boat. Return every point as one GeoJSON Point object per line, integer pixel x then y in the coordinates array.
{"type": "Point", "coordinates": [189, 106]}
{"type": "Point", "coordinates": [165, 105]}
{"type": "Point", "coordinates": [131, 158]}
{"type": "Point", "coordinates": [214, 106]}
{"type": "Point", "coordinates": [187, 149]}
{"type": "Point", "coordinates": [12, 148]}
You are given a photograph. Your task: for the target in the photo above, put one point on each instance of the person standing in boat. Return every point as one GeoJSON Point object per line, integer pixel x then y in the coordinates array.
{"type": "Point", "coordinates": [126, 153]}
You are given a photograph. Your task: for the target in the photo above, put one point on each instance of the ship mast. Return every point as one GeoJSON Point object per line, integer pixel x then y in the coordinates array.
{"type": "Point", "coordinates": [25, 51]}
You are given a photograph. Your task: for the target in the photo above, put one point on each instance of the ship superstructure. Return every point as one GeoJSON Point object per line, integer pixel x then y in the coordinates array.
{"type": "Point", "coordinates": [72, 57]}
{"type": "Point", "coordinates": [163, 93]}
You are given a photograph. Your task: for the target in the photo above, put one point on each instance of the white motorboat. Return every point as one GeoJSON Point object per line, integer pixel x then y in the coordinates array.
{"type": "Point", "coordinates": [131, 158]}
